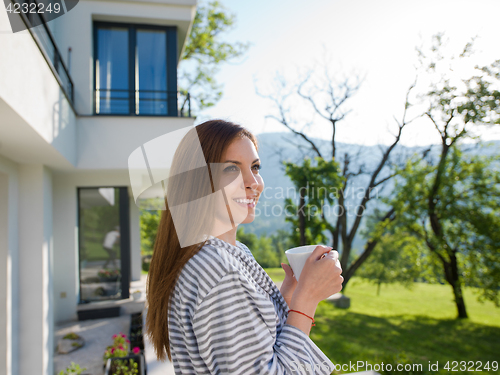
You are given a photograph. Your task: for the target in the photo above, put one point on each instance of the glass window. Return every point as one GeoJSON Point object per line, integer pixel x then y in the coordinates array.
{"type": "Point", "coordinates": [112, 84]}
{"type": "Point", "coordinates": [135, 70]}
{"type": "Point", "coordinates": [152, 72]}
{"type": "Point", "coordinates": [100, 244]}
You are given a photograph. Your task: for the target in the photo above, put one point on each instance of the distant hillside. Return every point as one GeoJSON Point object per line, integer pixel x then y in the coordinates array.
{"type": "Point", "coordinates": [275, 147]}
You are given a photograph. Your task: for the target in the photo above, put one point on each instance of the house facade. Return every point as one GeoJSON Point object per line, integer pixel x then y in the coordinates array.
{"type": "Point", "coordinates": [77, 96]}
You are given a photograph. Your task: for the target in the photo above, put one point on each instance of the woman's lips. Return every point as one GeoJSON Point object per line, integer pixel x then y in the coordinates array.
{"type": "Point", "coordinates": [245, 202]}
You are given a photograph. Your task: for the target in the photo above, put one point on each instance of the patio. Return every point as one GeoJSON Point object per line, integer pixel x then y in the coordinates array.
{"type": "Point", "coordinates": [98, 333]}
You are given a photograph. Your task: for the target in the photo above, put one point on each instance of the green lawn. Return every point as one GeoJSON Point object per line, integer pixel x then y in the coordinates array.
{"type": "Point", "coordinates": [94, 251]}
{"type": "Point", "coordinates": [418, 324]}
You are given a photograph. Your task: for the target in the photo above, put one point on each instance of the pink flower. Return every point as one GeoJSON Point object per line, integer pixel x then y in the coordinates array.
{"type": "Point", "coordinates": [127, 340]}
{"type": "Point", "coordinates": [136, 350]}
{"type": "Point", "coordinates": [115, 336]}
{"type": "Point", "coordinates": [112, 350]}
{"type": "Point", "coordinates": [120, 347]}
{"type": "Point", "coordinates": [123, 335]}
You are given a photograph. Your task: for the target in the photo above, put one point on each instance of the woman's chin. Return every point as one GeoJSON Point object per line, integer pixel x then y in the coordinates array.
{"type": "Point", "coordinates": [250, 217]}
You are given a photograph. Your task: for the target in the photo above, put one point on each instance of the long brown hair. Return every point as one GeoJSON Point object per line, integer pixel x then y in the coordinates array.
{"type": "Point", "coordinates": [168, 256]}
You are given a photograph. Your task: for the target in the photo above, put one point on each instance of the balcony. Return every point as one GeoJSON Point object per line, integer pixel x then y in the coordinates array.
{"type": "Point", "coordinates": [37, 26]}
{"type": "Point", "coordinates": [122, 102]}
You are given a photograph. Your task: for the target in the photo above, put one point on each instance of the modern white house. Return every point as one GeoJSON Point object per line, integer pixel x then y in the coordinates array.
{"type": "Point", "coordinates": [77, 96]}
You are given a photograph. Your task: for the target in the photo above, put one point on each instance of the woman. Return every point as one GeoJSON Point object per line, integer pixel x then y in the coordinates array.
{"type": "Point", "coordinates": [211, 307]}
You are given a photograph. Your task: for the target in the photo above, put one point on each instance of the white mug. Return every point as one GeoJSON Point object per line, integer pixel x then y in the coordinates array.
{"type": "Point", "coordinates": [297, 258]}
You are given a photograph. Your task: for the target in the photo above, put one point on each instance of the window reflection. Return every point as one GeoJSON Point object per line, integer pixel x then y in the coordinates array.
{"type": "Point", "coordinates": [99, 237]}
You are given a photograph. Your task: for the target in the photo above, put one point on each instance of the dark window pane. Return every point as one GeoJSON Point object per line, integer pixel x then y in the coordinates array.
{"type": "Point", "coordinates": [151, 72]}
{"type": "Point", "coordinates": [112, 86]}
{"type": "Point", "coordinates": [99, 232]}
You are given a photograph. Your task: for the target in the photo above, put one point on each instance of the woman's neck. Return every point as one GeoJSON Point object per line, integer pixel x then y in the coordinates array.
{"type": "Point", "coordinates": [229, 237]}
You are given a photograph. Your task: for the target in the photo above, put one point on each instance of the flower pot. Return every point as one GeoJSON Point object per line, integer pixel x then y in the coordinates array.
{"type": "Point", "coordinates": [136, 319]}
{"type": "Point", "coordinates": [138, 358]}
{"type": "Point", "coordinates": [139, 344]}
{"type": "Point", "coordinates": [108, 279]}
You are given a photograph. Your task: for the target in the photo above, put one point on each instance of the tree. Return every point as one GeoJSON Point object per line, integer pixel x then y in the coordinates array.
{"type": "Point", "coordinates": [328, 98]}
{"type": "Point", "coordinates": [314, 184]}
{"type": "Point", "coordinates": [281, 241]}
{"type": "Point", "coordinates": [150, 219]}
{"type": "Point", "coordinates": [205, 51]}
{"type": "Point", "coordinates": [467, 209]}
{"type": "Point", "coordinates": [398, 257]}
{"type": "Point", "coordinates": [455, 106]}
{"type": "Point", "coordinates": [452, 204]}
{"type": "Point", "coordinates": [261, 247]}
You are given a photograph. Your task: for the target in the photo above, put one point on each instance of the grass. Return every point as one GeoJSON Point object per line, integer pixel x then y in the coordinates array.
{"type": "Point", "coordinates": [94, 251]}
{"type": "Point", "coordinates": [419, 324]}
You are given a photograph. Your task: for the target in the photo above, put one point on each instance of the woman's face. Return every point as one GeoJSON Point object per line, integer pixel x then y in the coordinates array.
{"type": "Point", "coordinates": [240, 179]}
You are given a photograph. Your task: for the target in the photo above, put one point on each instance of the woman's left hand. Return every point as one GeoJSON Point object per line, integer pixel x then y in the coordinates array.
{"type": "Point", "coordinates": [289, 284]}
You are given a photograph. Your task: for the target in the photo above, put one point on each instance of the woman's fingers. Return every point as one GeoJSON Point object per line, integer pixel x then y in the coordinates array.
{"type": "Point", "coordinates": [331, 254]}
{"type": "Point", "coordinates": [319, 251]}
{"type": "Point", "coordinates": [288, 270]}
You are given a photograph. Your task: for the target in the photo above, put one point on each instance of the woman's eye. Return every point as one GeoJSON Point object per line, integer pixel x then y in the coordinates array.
{"type": "Point", "coordinates": [257, 167]}
{"type": "Point", "coordinates": [231, 168]}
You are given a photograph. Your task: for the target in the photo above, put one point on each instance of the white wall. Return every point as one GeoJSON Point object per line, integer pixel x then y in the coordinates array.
{"type": "Point", "coordinates": [9, 264]}
{"type": "Point", "coordinates": [5, 313]}
{"type": "Point", "coordinates": [65, 249]}
{"type": "Point", "coordinates": [33, 109]}
{"type": "Point", "coordinates": [107, 142]}
{"type": "Point", "coordinates": [35, 270]}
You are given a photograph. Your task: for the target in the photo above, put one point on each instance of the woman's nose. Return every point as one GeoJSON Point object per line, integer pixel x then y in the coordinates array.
{"type": "Point", "coordinates": [250, 181]}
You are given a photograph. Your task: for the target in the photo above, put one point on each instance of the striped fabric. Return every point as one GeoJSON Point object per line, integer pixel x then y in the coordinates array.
{"type": "Point", "coordinates": [228, 317]}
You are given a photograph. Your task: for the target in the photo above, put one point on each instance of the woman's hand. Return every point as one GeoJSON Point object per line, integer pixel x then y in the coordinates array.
{"type": "Point", "coordinates": [289, 284]}
{"type": "Point", "coordinates": [320, 277]}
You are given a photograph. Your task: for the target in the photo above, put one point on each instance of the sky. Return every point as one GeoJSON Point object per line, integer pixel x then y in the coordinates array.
{"type": "Point", "coordinates": [374, 40]}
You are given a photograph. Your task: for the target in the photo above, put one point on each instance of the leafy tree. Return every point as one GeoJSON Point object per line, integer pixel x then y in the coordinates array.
{"type": "Point", "coordinates": [461, 226]}
{"type": "Point", "coordinates": [150, 219]}
{"type": "Point", "coordinates": [205, 51]}
{"type": "Point", "coordinates": [452, 226]}
{"type": "Point", "coordinates": [452, 203]}
{"type": "Point", "coordinates": [313, 184]}
{"type": "Point", "coordinates": [328, 98]}
{"type": "Point", "coordinates": [249, 239]}
{"type": "Point", "coordinates": [281, 241]}
{"type": "Point", "coordinates": [265, 254]}
{"type": "Point", "coordinates": [261, 247]}
{"type": "Point", "coordinates": [397, 258]}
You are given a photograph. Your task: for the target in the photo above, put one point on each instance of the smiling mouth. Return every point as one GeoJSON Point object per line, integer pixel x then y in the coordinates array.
{"type": "Point", "coordinates": [245, 202]}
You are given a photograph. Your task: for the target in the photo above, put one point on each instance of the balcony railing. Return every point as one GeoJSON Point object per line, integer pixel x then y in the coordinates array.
{"type": "Point", "coordinates": [37, 25]}
{"type": "Point", "coordinates": [142, 103]}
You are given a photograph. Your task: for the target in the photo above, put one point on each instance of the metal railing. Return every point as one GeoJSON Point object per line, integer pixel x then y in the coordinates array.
{"type": "Point", "coordinates": [142, 102]}
{"type": "Point", "coordinates": [37, 25]}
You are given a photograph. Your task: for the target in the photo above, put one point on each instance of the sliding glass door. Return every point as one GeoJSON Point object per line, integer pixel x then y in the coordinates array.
{"type": "Point", "coordinates": [104, 246]}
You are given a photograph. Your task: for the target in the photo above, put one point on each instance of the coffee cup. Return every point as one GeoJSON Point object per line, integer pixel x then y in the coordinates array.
{"type": "Point", "coordinates": [297, 257]}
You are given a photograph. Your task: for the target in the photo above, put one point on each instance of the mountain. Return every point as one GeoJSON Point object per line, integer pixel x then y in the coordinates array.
{"type": "Point", "coordinates": [276, 147]}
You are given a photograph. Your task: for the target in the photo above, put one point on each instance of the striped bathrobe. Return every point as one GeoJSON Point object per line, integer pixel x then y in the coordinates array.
{"type": "Point", "coordinates": [228, 317]}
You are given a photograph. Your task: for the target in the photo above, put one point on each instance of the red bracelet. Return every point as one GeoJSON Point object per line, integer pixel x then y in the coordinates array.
{"type": "Point", "coordinates": [304, 315]}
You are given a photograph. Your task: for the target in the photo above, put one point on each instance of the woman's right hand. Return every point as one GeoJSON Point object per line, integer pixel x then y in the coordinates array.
{"type": "Point", "coordinates": [320, 277]}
